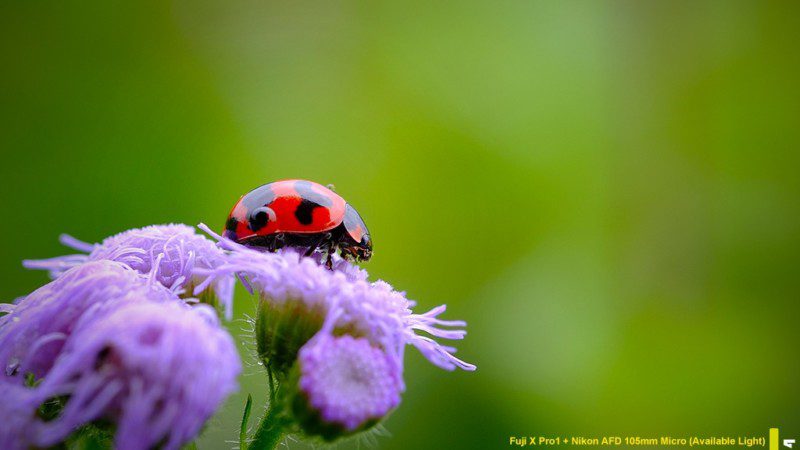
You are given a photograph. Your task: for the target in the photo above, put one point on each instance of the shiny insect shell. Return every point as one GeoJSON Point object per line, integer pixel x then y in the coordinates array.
{"type": "Point", "coordinates": [301, 214]}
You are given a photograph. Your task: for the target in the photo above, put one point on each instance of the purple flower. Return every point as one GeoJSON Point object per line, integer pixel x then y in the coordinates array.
{"type": "Point", "coordinates": [33, 333]}
{"type": "Point", "coordinates": [373, 311]}
{"type": "Point", "coordinates": [169, 253]}
{"type": "Point", "coordinates": [157, 370]}
{"type": "Point", "coordinates": [117, 346]}
{"type": "Point", "coordinates": [15, 415]}
{"type": "Point", "coordinates": [345, 382]}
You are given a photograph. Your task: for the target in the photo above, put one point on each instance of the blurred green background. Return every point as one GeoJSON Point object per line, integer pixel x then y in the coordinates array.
{"type": "Point", "coordinates": [606, 191]}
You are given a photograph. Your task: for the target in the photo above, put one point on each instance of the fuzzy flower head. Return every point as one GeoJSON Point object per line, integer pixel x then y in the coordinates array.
{"type": "Point", "coordinates": [158, 371]}
{"type": "Point", "coordinates": [168, 253]}
{"type": "Point", "coordinates": [345, 385]}
{"type": "Point", "coordinates": [343, 296]}
{"type": "Point", "coordinates": [103, 341]}
{"type": "Point", "coordinates": [34, 332]}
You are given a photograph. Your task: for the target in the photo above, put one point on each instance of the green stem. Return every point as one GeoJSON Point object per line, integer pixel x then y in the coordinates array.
{"type": "Point", "coordinates": [270, 430]}
{"type": "Point", "coordinates": [271, 386]}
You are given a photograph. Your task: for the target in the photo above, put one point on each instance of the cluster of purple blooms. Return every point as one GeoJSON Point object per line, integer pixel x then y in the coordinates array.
{"type": "Point", "coordinates": [350, 373]}
{"type": "Point", "coordinates": [124, 335]}
{"type": "Point", "coordinates": [112, 340]}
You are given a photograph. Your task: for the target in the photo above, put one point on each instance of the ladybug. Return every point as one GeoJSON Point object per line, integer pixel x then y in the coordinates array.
{"type": "Point", "coordinates": [300, 214]}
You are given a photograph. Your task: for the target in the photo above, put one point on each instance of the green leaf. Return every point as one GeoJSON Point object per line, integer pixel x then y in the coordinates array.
{"type": "Point", "coordinates": [245, 418]}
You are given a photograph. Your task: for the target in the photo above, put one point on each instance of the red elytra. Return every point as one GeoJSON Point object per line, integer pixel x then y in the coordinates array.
{"type": "Point", "coordinates": [302, 214]}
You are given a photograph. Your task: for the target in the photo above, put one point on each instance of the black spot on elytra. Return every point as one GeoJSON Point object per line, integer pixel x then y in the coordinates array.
{"type": "Point", "coordinates": [304, 211]}
{"type": "Point", "coordinates": [306, 192]}
{"type": "Point", "coordinates": [258, 219]}
{"type": "Point", "coordinates": [231, 224]}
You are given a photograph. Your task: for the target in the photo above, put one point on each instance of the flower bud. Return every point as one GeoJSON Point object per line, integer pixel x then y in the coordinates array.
{"type": "Point", "coordinates": [281, 329]}
{"type": "Point", "coordinates": [341, 385]}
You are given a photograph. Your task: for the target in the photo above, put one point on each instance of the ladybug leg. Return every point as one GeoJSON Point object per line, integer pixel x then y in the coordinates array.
{"type": "Point", "coordinates": [277, 242]}
{"type": "Point", "coordinates": [317, 244]}
{"type": "Point", "coordinates": [331, 249]}
{"type": "Point", "coordinates": [311, 250]}
{"type": "Point", "coordinates": [313, 247]}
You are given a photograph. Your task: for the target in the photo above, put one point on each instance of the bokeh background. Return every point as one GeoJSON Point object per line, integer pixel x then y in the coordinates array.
{"type": "Point", "coordinates": [607, 192]}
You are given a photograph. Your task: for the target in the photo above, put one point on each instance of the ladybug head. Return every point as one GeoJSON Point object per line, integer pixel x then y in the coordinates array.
{"type": "Point", "coordinates": [360, 243]}
{"type": "Point", "coordinates": [361, 251]}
